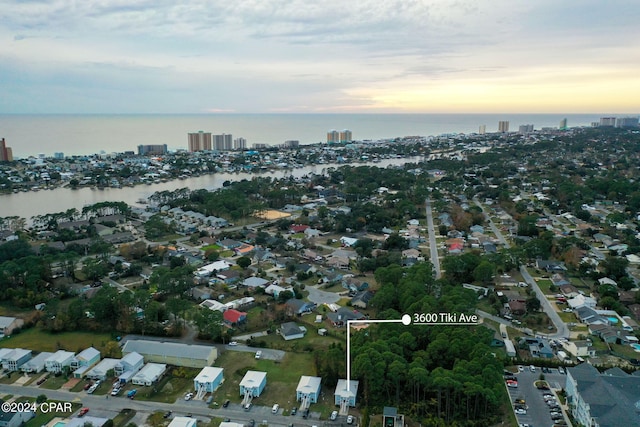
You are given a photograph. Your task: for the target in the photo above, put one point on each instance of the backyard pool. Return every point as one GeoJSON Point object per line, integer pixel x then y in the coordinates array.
{"type": "Point", "coordinates": [636, 347]}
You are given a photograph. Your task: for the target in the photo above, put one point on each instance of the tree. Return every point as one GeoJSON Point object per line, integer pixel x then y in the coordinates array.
{"type": "Point", "coordinates": [243, 262]}
{"type": "Point", "coordinates": [533, 304]}
{"type": "Point", "coordinates": [484, 272]}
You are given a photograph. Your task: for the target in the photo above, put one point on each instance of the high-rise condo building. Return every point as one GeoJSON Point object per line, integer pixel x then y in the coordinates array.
{"type": "Point", "coordinates": [563, 124]}
{"type": "Point", "coordinates": [525, 129]}
{"type": "Point", "coordinates": [6, 154]}
{"type": "Point", "coordinates": [503, 126]}
{"type": "Point", "coordinates": [292, 143]}
{"type": "Point", "coordinates": [607, 121]}
{"type": "Point", "coordinates": [223, 142]}
{"type": "Point", "coordinates": [200, 141]}
{"type": "Point", "coordinates": [152, 150]}
{"type": "Point", "coordinates": [482, 130]}
{"type": "Point", "coordinates": [239, 144]}
{"type": "Point", "coordinates": [346, 136]}
{"type": "Point", "coordinates": [333, 136]}
{"type": "Point", "coordinates": [627, 122]}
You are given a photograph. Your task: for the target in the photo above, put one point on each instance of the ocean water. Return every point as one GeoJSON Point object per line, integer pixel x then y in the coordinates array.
{"type": "Point", "coordinates": [88, 134]}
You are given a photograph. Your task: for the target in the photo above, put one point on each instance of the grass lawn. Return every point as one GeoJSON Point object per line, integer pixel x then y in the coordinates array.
{"type": "Point", "coordinates": [282, 376]}
{"type": "Point", "coordinates": [169, 389]}
{"type": "Point", "coordinates": [625, 350]}
{"type": "Point", "coordinates": [544, 285]}
{"type": "Point", "coordinates": [123, 417]}
{"type": "Point", "coordinates": [567, 317]}
{"type": "Point", "coordinates": [37, 340]}
{"type": "Point", "coordinates": [53, 382]}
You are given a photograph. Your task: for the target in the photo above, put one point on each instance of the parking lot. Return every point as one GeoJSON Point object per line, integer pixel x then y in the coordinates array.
{"type": "Point", "coordinates": [538, 412]}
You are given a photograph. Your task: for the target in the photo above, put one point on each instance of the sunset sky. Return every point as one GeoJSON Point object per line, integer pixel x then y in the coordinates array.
{"type": "Point", "coordinates": [267, 56]}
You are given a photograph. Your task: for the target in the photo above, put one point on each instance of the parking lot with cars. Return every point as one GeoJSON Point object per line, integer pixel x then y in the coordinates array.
{"type": "Point", "coordinates": [535, 406]}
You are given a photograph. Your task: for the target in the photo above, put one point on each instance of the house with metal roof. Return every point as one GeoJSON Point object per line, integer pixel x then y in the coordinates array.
{"type": "Point", "coordinates": [184, 422]}
{"type": "Point", "coordinates": [58, 361]}
{"type": "Point", "coordinates": [308, 390]}
{"type": "Point", "coordinates": [291, 331]}
{"type": "Point", "coordinates": [15, 358]}
{"type": "Point", "coordinates": [128, 366]}
{"type": "Point", "coordinates": [346, 396]}
{"type": "Point", "coordinates": [208, 380]}
{"type": "Point", "coordinates": [36, 364]}
{"type": "Point", "coordinates": [171, 353]}
{"type": "Point", "coordinates": [149, 374]}
{"type": "Point", "coordinates": [100, 371]}
{"type": "Point", "coordinates": [253, 383]}
{"type": "Point", "coordinates": [8, 324]}
{"type": "Point", "coordinates": [84, 360]}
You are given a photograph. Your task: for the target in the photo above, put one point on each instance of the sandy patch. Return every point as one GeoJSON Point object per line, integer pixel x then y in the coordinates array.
{"type": "Point", "coordinates": [271, 214]}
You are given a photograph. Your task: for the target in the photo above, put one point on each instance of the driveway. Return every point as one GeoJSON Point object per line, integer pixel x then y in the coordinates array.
{"type": "Point", "coordinates": [267, 353]}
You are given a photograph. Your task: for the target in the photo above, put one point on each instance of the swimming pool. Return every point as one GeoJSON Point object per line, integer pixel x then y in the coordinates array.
{"type": "Point", "coordinates": [613, 320]}
{"type": "Point", "coordinates": [636, 347]}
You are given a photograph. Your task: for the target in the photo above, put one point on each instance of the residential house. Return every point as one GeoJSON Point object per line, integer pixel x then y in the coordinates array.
{"type": "Point", "coordinates": [14, 418]}
{"type": "Point", "coordinates": [229, 244]}
{"type": "Point", "coordinates": [172, 353]}
{"type": "Point", "coordinates": [9, 324]}
{"type": "Point", "coordinates": [569, 291]}
{"type": "Point", "coordinates": [228, 277]}
{"type": "Point", "coordinates": [298, 307]}
{"type": "Point", "coordinates": [233, 317]}
{"type": "Point", "coordinates": [346, 393]}
{"type": "Point", "coordinates": [589, 316]}
{"type": "Point", "coordinates": [348, 241]}
{"type": "Point", "coordinates": [517, 307]}
{"type": "Point", "coordinates": [128, 366]}
{"type": "Point", "coordinates": [361, 299]}
{"type": "Point", "coordinates": [36, 364]}
{"type": "Point", "coordinates": [84, 360]}
{"type": "Point", "coordinates": [212, 304]}
{"type": "Point", "coordinates": [255, 282]}
{"type": "Point", "coordinates": [102, 370]}
{"type": "Point", "coordinates": [14, 359]}
{"type": "Point", "coordinates": [58, 361]}
{"type": "Point", "coordinates": [291, 331]}
{"type": "Point", "coordinates": [551, 266]}
{"type": "Point", "coordinates": [253, 383]}
{"type": "Point", "coordinates": [342, 315]}
{"type": "Point", "coordinates": [208, 380]}
{"type": "Point", "coordinates": [275, 290]}
{"type": "Point", "coordinates": [308, 389]}
{"type": "Point", "coordinates": [580, 348]}
{"type": "Point", "coordinates": [149, 374]}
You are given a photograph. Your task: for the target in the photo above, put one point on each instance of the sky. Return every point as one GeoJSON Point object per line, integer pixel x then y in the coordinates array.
{"type": "Point", "coordinates": [329, 56]}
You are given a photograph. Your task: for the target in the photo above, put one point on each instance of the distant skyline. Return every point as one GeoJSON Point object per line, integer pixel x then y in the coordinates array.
{"type": "Point", "coordinates": [295, 56]}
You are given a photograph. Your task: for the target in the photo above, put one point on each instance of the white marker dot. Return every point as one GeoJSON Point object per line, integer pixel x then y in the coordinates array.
{"type": "Point", "coordinates": [406, 319]}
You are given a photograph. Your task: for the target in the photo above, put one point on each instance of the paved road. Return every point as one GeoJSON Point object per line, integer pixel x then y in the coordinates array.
{"type": "Point", "coordinates": [320, 297]}
{"type": "Point", "coordinates": [100, 406]}
{"type": "Point", "coordinates": [506, 322]}
{"type": "Point", "coordinates": [433, 245]}
{"type": "Point", "coordinates": [561, 328]}
{"type": "Point", "coordinates": [267, 353]}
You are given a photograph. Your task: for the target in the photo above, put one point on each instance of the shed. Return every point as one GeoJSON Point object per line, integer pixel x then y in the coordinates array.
{"type": "Point", "coordinates": [149, 374]}
{"type": "Point", "coordinates": [253, 383]}
{"type": "Point", "coordinates": [36, 364]}
{"type": "Point", "coordinates": [308, 389]}
{"type": "Point", "coordinates": [208, 380]}
{"type": "Point", "coordinates": [344, 397]}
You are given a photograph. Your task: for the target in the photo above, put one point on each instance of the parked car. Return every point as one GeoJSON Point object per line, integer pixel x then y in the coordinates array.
{"type": "Point", "coordinates": [275, 408]}
{"type": "Point", "coordinates": [188, 396]}
{"type": "Point", "coordinates": [294, 410]}
{"type": "Point", "coordinates": [233, 343]}
{"type": "Point", "coordinates": [521, 411]}
{"type": "Point", "coordinates": [333, 416]}
{"type": "Point", "coordinates": [167, 414]}
{"type": "Point", "coordinates": [350, 419]}
{"type": "Point", "coordinates": [248, 406]}
{"type": "Point", "coordinates": [226, 403]}
{"type": "Point", "coordinates": [83, 411]}
{"type": "Point", "coordinates": [258, 354]}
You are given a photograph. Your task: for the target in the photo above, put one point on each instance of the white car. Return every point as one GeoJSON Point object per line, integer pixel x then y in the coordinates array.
{"type": "Point", "coordinates": [521, 368]}
{"type": "Point", "coordinates": [275, 408]}
{"type": "Point", "coordinates": [334, 415]}
{"type": "Point", "coordinates": [233, 343]}
{"type": "Point", "coordinates": [258, 354]}
{"type": "Point", "coordinates": [188, 396]}
{"type": "Point", "coordinates": [521, 411]}
{"type": "Point", "coordinates": [350, 419]}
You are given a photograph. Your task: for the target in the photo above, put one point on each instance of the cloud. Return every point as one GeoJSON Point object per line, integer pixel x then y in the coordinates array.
{"type": "Point", "coordinates": [275, 55]}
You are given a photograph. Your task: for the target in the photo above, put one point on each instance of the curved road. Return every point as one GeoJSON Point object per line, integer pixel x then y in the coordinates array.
{"type": "Point", "coordinates": [561, 329]}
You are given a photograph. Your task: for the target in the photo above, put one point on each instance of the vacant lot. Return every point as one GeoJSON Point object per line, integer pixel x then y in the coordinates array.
{"type": "Point", "coordinates": [37, 340]}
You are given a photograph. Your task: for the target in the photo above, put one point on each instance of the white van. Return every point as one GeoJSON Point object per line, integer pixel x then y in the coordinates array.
{"type": "Point", "coordinates": [275, 408]}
